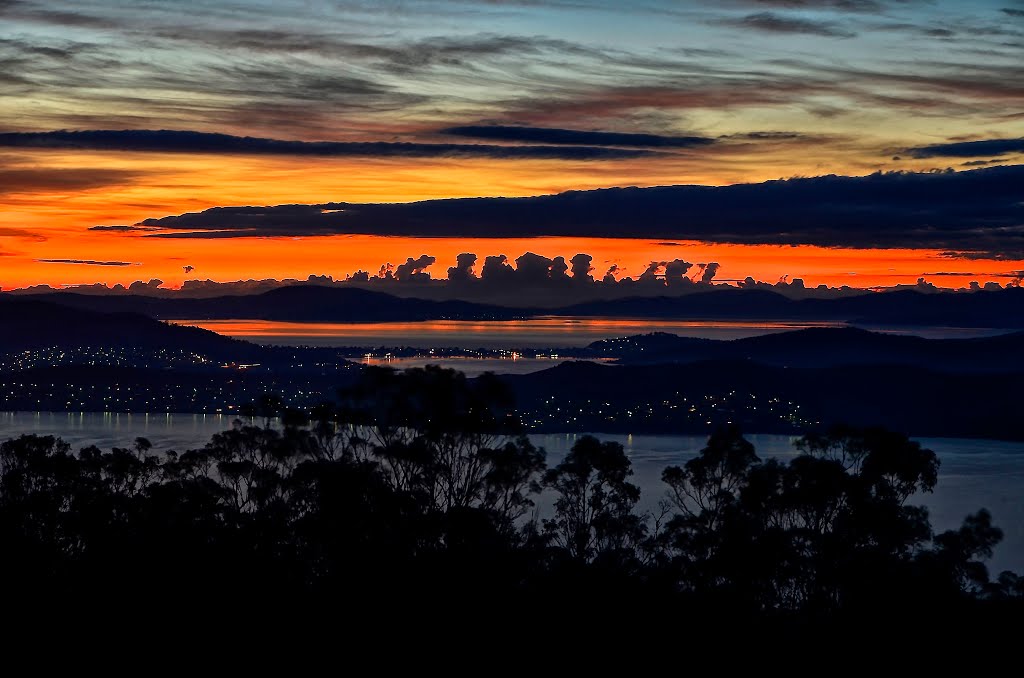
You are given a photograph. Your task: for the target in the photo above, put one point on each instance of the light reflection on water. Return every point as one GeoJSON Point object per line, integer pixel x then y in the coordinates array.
{"type": "Point", "coordinates": [540, 332]}
{"type": "Point", "coordinates": [974, 473]}
{"type": "Point", "coordinates": [473, 367]}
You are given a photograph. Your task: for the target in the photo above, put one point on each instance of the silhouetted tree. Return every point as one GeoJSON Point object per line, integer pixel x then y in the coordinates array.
{"type": "Point", "coordinates": [594, 516]}
{"type": "Point", "coordinates": [416, 490]}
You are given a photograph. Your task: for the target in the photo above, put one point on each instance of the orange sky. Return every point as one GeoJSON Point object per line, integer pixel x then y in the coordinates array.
{"type": "Point", "coordinates": [47, 221]}
{"type": "Point", "coordinates": [805, 89]}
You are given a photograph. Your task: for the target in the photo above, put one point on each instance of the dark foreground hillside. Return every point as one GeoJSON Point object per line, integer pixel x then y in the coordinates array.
{"type": "Point", "coordinates": [668, 398]}
{"type": "Point", "coordinates": [415, 496]}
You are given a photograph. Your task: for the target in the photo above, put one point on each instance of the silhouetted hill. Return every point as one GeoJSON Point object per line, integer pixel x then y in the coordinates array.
{"type": "Point", "coordinates": [133, 339]}
{"type": "Point", "coordinates": [825, 347]}
{"type": "Point", "coordinates": [305, 303]}
{"type": "Point", "coordinates": [35, 324]}
{"type": "Point", "coordinates": [996, 308]}
{"type": "Point", "coordinates": [313, 303]}
{"type": "Point", "coordinates": [718, 304]}
{"type": "Point", "coordinates": [1002, 308]}
{"type": "Point", "coordinates": [656, 398]}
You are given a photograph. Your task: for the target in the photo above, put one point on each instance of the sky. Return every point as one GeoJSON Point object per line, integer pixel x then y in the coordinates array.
{"type": "Point", "coordinates": [123, 125]}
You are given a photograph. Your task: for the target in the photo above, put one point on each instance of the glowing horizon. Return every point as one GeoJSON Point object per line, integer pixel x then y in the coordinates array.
{"type": "Point", "coordinates": [467, 99]}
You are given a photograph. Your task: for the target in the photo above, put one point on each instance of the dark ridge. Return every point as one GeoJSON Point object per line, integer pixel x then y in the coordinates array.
{"type": "Point", "coordinates": [311, 303]}
{"type": "Point", "coordinates": [922, 401]}
{"type": "Point", "coordinates": [299, 303]}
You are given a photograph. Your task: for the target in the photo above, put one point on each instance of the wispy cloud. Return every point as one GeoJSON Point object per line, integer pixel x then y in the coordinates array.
{"type": "Point", "coordinates": [60, 180]}
{"type": "Point", "coordinates": [837, 5]}
{"type": "Point", "coordinates": [771, 22]}
{"type": "Point", "coordinates": [8, 232]}
{"type": "Point", "coordinates": [86, 262]}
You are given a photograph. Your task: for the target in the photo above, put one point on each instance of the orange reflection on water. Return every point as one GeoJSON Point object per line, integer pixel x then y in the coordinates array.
{"type": "Point", "coordinates": [544, 331]}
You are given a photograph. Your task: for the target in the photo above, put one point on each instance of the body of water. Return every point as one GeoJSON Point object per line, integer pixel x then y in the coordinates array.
{"type": "Point", "coordinates": [974, 473]}
{"type": "Point", "coordinates": [540, 332]}
{"type": "Point", "coordinates": [550, 332]}
{"type": "Point", "coordinates": [474, 367]}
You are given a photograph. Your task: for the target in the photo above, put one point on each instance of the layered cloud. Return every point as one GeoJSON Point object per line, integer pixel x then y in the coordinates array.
{"type": "Point", "coordinates": [969, 149]}
{"type": "Point", "coordinates": [60, 180]}
{"type": "Point", "coordinates": [775, 23]}
{"type": "Point", "coordinates": [978, 211]}
{"type": "Point", "coordinates": [86, 262]}
{"type": "Point", "coordinates": [548, 135]}
{"type": "Point", "coordinates": [404, 68]}
{"type": "Point", "coordinates": [177, 141]}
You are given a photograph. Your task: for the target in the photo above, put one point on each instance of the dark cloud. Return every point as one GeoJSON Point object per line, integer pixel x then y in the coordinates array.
{"type": "Point", "coordinates": [142, 287]}
{"type": "Point", "coordinates": [709, 271]}
{"type": "Point", "coordinates": [55, 180]}
{"type": "Point", "coordinates": [652, 271]}
{"type": "Point", "coordinates": [1013, 12]}
{"type": "Point", "coordinates": [581, 267]}
{"type": "Point", "coordinates": [322, 78]}
{"type": "Point", "coordinates": [463, 268]}
{"type": "Point", "coordinates": [852, 6]}
{"type": "Point", "coordinates": [1011, 274]}
{"type": "Point", "coordinates": [8, 232]}
{"type": "Point", "coordinates": [549, 135]}
{"type": "Point", "coordinates": [86, 262]}
{"type": "Point", "coordinates": [534, 269]}
{"type": "Point", "coordinates": [414, 269]}
{"type": "Point", "coordinates": [838, 5]}
{"type": "Point", "coordinates": [976, 210]}
{"type": "Point", "coordinates": [912, 28]}
{"type": "Point", "coordinates": [969, 149]}
{"type": "Point", "coordinates": [770, 22]}
{"type": "Point", "coordinates": [121, 228]}
{"type": "Point", "coordinates": [675, 272]}
{"type": "Point", "coordinates": [766, 136]}
{"type": "Point", "coordinates": [496, 267]}
{"type": "Point", "coordinates": [977, 255]}
{"type": "Point", "coordinates": [558, 269]}
{"type": "Point", "coordinates": [67, 19]}
{"type": "Point", "coordinates": [175, 141]}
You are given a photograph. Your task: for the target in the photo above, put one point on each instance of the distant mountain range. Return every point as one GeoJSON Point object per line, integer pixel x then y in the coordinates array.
{"type": "Point", "coordinates": [1002, 308]}
{"type": "Point", "coordinates": [311, 303]}
{"type": "Point", "coordinates": [779, 382]}
{"type": "Point", "coordinates": [823, 347]}
{"type": "Point", "coordinates": [300, 303]}
{"type": "Point", "coordinates": [29, 323]}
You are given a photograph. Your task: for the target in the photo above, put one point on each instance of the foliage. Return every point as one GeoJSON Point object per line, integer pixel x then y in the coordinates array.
{"type": "Point", "coordinates": [419, 487]}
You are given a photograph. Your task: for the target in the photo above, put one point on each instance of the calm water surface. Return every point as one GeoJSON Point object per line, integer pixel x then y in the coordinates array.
{"type": "Point", "coordinates": [974, 473]}
{"type": "Point", "coordinates": [540, 332]}
{"type": "Point", "coordinates": [543, 332]}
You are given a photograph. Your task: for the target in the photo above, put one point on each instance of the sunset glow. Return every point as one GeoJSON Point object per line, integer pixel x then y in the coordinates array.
{"type": "Point", "coordinates": [466, 99]}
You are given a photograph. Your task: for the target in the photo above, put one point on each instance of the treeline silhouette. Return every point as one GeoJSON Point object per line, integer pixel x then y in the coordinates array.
{"type": "Point", "coordinates": [418, 493]}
